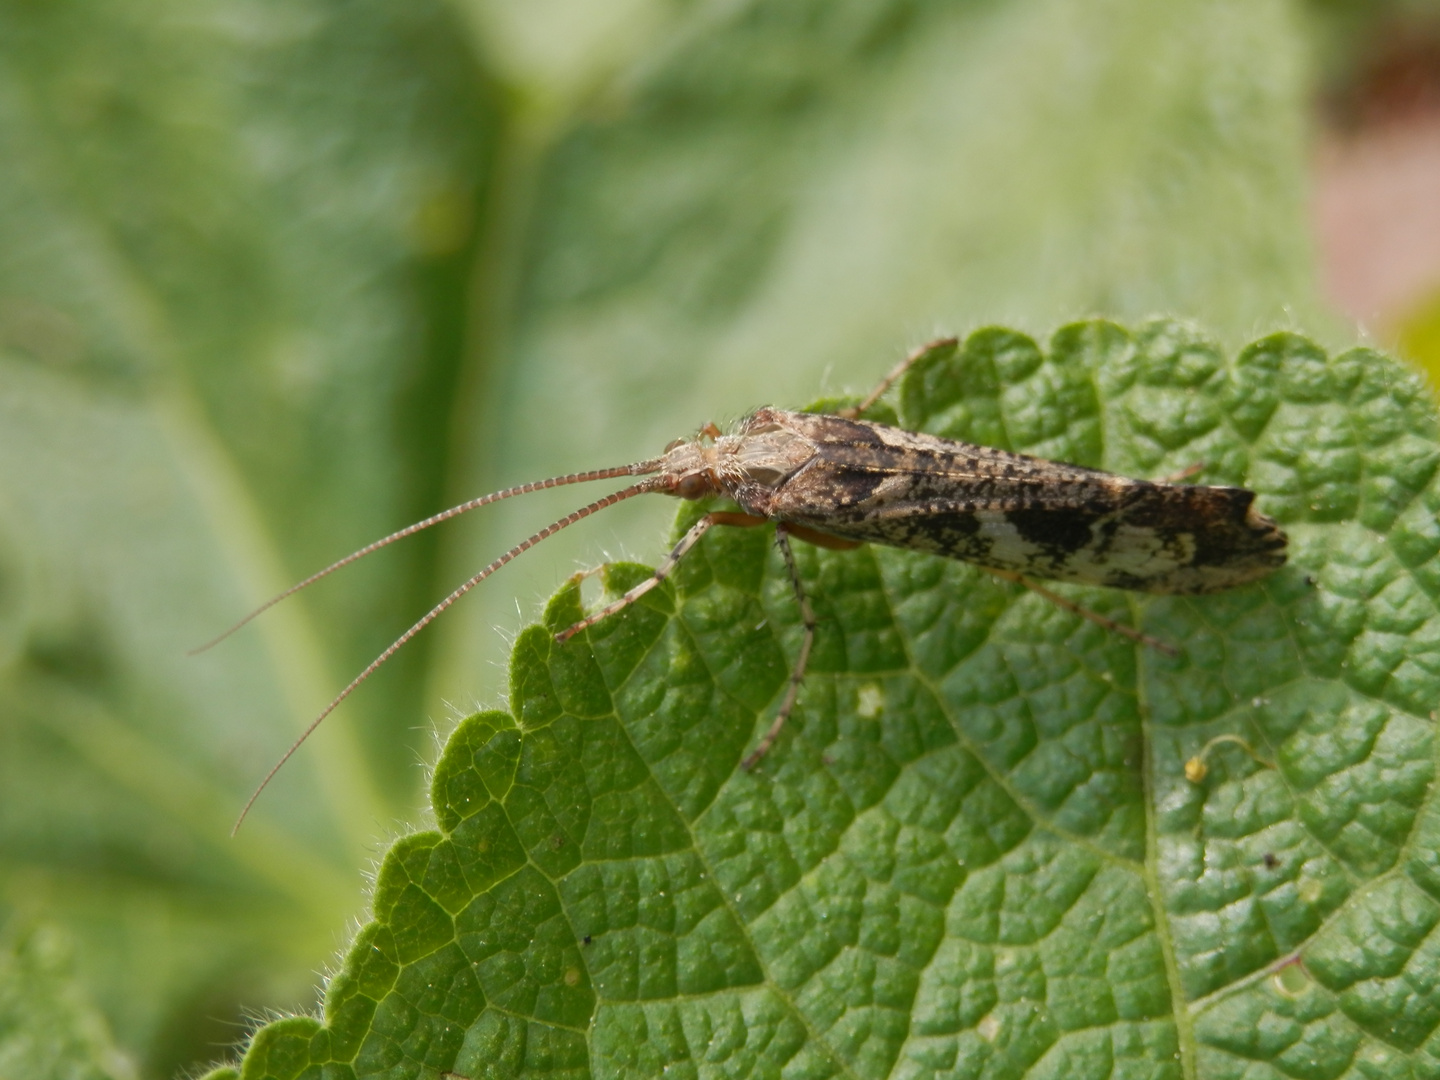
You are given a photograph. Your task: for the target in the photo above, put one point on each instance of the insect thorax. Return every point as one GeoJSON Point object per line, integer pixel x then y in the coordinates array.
{"type": "Point", "coordinates": [761, 455]}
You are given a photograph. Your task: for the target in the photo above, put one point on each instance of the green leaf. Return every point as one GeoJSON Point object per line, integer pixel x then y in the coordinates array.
{"type": "Point", "coordinates": [975, 849]}
{"type": "Point", "coordinates": [48, 1028]}
{"type": "Point", "coordinates": [236, 241]}
{"type": "Point", "coordinates": [277, 278]}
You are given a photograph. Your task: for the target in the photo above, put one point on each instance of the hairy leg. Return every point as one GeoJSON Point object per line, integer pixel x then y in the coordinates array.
{"type": "Point", "coordinates": [1085, 613]}
{"type": "Point", "coordinates": [665, 569]}
{"type": "Point", "coordinates": [797, 674]}
{"type": "Point", "coordinates": [899, 370]}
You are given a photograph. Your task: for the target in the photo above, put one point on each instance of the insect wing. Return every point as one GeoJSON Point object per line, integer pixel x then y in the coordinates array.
{"type": "Point", "coordinates": [876, 484]}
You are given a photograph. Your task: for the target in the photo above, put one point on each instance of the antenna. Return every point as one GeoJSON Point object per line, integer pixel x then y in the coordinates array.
{"type": "Point", "coordinates": [634, 469]}
{"type": "Point", "coordinates": [642, 488]}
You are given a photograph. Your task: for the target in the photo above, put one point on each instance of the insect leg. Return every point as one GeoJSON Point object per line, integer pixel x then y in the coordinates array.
{"type": "Point", "coordinates": [1085, 613]}
{"type": "Point", "coordinates": [688, 541]}
{"type": "Point", "coordinates": [819, 539]}
{"type": "Point", "coordinates": [807, 616]}
{"type": "Point", "coordinates": [899, 369]}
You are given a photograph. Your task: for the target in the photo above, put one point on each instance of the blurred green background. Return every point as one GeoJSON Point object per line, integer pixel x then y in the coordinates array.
{"type": "Point", "coordinates": [277, 278]}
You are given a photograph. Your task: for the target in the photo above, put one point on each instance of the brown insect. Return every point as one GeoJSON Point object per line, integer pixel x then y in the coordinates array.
{"type": "Point", "coordinates": [838, 481]}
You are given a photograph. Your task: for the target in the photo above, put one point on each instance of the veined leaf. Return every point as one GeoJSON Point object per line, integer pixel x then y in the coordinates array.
{"type": "Point", "coordinates": [975, 850]}
{"type": "Point", "coordinates": [279, 277]}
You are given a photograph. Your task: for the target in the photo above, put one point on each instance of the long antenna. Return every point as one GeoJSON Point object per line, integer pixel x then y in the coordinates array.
{"type": "Point", "coordinates": [634, 469]}
{"type": "Point", "coordinates": [641, 488]}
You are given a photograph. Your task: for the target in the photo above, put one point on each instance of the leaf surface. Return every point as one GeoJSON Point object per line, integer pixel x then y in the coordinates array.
{"type": "Point", "coordinates": [278, 278]}
{"type": "Point", "coordinates": [975, 850]}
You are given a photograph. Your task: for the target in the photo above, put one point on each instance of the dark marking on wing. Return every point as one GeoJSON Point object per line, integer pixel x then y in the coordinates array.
{"type": "Point", "coordinates": [872, 483]}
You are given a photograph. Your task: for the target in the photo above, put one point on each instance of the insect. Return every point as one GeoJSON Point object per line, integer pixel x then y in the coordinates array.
{"type": "Point", "coordinates": [839, 481]}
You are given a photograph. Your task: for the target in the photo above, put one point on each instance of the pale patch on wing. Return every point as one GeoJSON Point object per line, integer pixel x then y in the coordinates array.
{"type": "Point", "coordinates": [1135, 552]}
{"type": "Point", "coordinates": [1007, 546]}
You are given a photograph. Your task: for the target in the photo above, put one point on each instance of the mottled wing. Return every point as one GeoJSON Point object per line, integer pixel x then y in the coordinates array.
{"type": "Point", "coordinates": [877, 484]}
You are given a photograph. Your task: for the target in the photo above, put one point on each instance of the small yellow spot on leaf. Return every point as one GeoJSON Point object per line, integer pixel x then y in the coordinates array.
{"type": "Point", "coordinates": [870, 701]}
{"type": "Point", "coordinates": [1292, 980]}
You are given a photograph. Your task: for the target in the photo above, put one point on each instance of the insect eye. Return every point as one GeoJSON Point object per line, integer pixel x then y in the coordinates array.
{"type": "Point", "coordinates": [693, 486]}
{"type": "Point", "coordinates": [673, 443]}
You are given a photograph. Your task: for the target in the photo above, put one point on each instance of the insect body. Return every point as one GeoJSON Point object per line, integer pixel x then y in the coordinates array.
{"type": "Point", "coordinates": [869, 483]}
{"type": "Point", "coordinates": [839, 481]}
